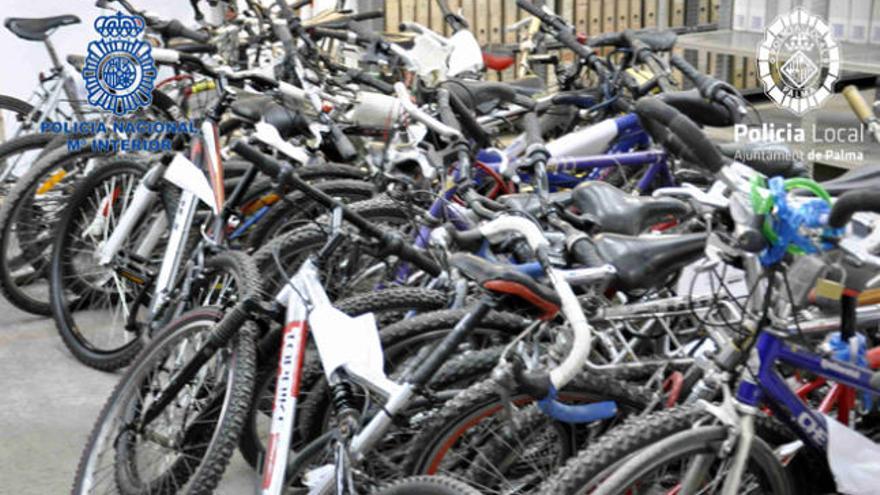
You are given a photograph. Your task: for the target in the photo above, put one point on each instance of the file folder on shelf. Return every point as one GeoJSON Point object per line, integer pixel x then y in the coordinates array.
{"type": "Point", "coordinates": [676, 13]}
{"type": "Point", "coordinates": [859, 21]}
{"type": "Point", "coordinates": [595, 17]}
{"type": "Point", "coordinates": [757, 15]}
{"type": "Point", "coordinates": [740, 14]}
{"type": "Point", "coordinates": [649, 14]}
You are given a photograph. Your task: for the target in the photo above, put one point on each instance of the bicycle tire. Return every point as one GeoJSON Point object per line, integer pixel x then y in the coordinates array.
{"type": "Point", "coordinates": [427, 485]}
{"type": "Point", "coordinates": [213, 458]}
{"type": "Point", "coordinates": [604, 456]}
{"type": "Point", "coordinates": [55, 167]}
{"type": "Point", "coordinates": [466, 413]}
{"type": "Point", "coordinates": [699, 441]}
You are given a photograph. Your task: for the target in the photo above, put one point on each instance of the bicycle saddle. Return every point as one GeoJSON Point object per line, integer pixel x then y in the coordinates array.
{"type": "Point", "coordinates": [529, 202]}
{"type": "Point", "coordinates": [253, 108]}
{"type": "Point", "coordinates": [36, 29]}
{"type": "Point", "coordinates": [497, 58]}
{"type": "Point", "coordinates": [645, 262]}
{"type": "Point", "coordinates": [504, 279]}
{"type": "Point", "coordinates": [613, 210]}
{"type": "Point", "coordinates": [528, 86]}
{"type": "Point", "coordinates": [867, 176]}
{"type": "Point", "coordinates": [771, 159]}
{"type": "Point", "coordinates": [482, 96]}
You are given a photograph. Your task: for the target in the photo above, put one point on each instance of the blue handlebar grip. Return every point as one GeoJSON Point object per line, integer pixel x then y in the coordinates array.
{"type": "Point", "coordinates": [577, 414]}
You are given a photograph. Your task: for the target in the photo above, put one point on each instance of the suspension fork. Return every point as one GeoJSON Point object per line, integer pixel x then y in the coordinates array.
{"type": "Point", "coordinates": [222, 333]}
{"type": "Point", "coordinates": [174, 251]}
{"type": "Point", "coordinates": [144, 196]}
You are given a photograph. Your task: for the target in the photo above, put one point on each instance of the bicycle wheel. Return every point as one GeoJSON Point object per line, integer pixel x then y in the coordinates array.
{"type": "Point", "coordinates": [692, 459]}
{"type": "Point", "coordinates": [18, 154]}
{"type": "Point", "coordinates": [27, 219]}
{"type": "Point", "coordinates": [187, 447]}
{"type": "Point", "coordinates": [471, 438]}
{"type": "Point", "coordinates": [16, 114]}
{"type": "Point", "coordinates": [582, 474]}
{"type": "Point", "coordinates": [426, 485]}
{"type": "Point", "coordinates": [100, 311]}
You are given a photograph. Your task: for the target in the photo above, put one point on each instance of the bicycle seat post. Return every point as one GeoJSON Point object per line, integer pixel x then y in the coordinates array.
{"type": "Point", "coordinates": [53, 55]}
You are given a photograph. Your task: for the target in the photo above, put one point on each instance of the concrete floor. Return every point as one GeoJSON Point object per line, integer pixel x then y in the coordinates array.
{"type": "Point", "coordinates": [48, 406]}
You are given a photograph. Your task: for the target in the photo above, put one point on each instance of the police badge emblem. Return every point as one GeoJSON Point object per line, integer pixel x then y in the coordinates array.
{"type": "Point", "coordinates": [119, 71]}
{"type": "Point", "coordinates": [798, 61]}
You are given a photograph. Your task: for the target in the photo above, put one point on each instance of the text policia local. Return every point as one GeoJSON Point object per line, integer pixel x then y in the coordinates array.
{"type": "Point", "coordinates": [788, 133]}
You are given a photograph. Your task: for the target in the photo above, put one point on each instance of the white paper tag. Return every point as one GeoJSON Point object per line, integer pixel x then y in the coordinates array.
{"type": "Point", "coordinates": [854, 460]}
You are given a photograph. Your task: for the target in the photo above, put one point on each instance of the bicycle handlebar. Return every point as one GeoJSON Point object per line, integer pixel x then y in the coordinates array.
{"type": "Point", "coordinates": [852, 202]}
{"type": "Point", "coordinates": [546, 382]}
{"type": "Point", "coordinates": [390, 239]}
{"type": "Point", "coordinates": [563, 33]}
{"type": "Point", "coordinates": [420, 115]}
{"type": "Point", "coordinates": [175, 28]}
{"type": "Point", "coordinates": [712, 88]}
{"type": "Point", "coordinates": [684, 138]}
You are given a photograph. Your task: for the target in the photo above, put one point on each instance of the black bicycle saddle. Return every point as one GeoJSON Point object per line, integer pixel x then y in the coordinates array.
{"type": "Point", "coordinates": [613, 210]}
{"type": "Point", "coordinates": [37, 29]}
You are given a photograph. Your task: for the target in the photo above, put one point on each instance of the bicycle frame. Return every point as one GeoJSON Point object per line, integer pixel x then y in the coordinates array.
{"type": "Point", "coordinates": [771, 388]}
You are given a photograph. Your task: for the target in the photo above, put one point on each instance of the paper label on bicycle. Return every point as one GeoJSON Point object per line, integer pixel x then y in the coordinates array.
{"type": "Point", "coordinates": [854, 460]}
{"type": "Point", "coordinates": [186, 175]}
{"type": "Point", "coordinates": [119, 71]}
{"type": "Point", "coordinates": [349, 343]}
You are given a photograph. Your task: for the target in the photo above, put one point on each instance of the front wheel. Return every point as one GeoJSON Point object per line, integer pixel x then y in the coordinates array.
{"type": "Point", "coordinates": [187, 447]}
{"type": "Point", "coordinates": [99, 310]}
{"type": "Point", "coordinates": [690, 461]}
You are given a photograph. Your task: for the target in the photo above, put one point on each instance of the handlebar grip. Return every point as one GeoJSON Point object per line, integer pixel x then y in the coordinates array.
{"type": "Point", "coordinates": [687, 69]}
{"type": "Point", "coordinates": [466, 240]}
{"type": "Point", "coordinates": [531, 8]}
{"type": "Point", "coordinates": [410, 26]}
{"type": "Point", "coordinates": [365, 16]}
{"type": "Point", "coordinates": [265, 163]}
{"type": "Point", "coordinates": [851, 202]}
{"type": "Point", "coordinates": [338, 34]}
{"type": "Point", "coordinates": [447, 115]}
{"type": "Point", "coordinates": [176, 29]}
{"type": "Point", "coordinates": [858, 104]}
{"type": "Point", "coordinates": [694, 140]}
{"type": "Point", "coordinates": [532, 128]}
{"type": "Point", "coordinates": [344, 146]}
{"type": "Point", "coordinates": [368, 80]}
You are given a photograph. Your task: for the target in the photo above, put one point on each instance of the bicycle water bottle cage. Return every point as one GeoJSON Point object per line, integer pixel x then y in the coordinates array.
{"type": "Point", "coordinates": [502, 279]}
{"type": "Point", "coordinates": [784, 223]}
